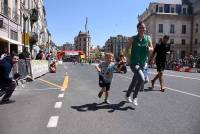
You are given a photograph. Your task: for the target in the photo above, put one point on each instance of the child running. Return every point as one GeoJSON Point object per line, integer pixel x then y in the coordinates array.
{"type": "Point", "coordinates": [105, 69]}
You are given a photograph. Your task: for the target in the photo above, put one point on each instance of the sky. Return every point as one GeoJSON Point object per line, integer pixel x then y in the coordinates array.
{"type": "Point", "coordinates": [65, 18]}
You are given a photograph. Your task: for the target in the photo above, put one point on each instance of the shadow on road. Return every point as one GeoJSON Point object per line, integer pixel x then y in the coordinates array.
{"type": "Point", "coordinates": [95, 106]}
{"type": "Point", "coordinates": [145, 90]}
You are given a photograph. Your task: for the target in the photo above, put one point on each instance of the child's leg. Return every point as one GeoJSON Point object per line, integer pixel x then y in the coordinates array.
{"type": "Point", "coordinates": [101, 92]}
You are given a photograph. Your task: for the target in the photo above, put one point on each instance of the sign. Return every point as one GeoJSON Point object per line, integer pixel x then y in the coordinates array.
{"type": "Point", "coordinates": [27, 38]}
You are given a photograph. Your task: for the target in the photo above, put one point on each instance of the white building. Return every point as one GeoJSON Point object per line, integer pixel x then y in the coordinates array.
{"type": "Point", "coordinates": [10, 26]}
{"type": "Point", "coordinates": [173, 18]}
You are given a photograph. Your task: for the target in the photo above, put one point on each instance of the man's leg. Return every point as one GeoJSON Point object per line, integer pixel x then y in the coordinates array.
{"type": "Point", "coordinates": [9, 91]}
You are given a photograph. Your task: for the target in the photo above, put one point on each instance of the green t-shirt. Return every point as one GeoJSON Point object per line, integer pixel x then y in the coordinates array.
{"type": "Point", "coordinates": [139, 51]}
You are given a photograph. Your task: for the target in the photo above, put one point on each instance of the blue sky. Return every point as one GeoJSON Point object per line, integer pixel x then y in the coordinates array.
{"type": "Point", "coordinates": [65, 18]}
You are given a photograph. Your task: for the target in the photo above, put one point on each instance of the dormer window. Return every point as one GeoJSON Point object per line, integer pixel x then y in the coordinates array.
{"type": "Point", "coordinates": [172, 9]}
{"type": "Point", "coordinates": [184, 10]}
{"type": "Point", "coordinates": [160, 9]}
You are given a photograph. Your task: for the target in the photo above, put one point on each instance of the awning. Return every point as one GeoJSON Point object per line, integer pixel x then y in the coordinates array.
{"type": "Point", "coordinates": [10, 40]}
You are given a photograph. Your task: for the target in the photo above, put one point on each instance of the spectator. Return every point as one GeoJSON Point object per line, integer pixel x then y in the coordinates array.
{"type": "Point", "coordinates": [7, 84]}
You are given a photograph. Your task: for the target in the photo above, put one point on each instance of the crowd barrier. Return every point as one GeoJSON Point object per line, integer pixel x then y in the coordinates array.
{"type": "Point", "coordinates": [32, 68]}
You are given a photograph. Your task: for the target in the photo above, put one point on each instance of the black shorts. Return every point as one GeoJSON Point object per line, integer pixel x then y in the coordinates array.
{"type": "Point", "coordinates": [102, 83]}
{"type": "Point", "coordinates": [160, 66]}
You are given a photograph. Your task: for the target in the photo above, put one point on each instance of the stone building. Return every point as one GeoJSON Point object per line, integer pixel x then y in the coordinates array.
{"type": "Point", "coordinates": [116, 44]}
{"type": "Point", "coordinates": [83, 42]}
{"type": "Point", "coordinates": [173, 18]}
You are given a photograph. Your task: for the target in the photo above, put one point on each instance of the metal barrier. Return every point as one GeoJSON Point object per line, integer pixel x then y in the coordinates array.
{"type": "Point", "coordinates": [32, 68]}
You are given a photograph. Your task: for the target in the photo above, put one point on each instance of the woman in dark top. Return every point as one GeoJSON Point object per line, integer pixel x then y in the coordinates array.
{"type": "Point", "coordinates": [161, 51]}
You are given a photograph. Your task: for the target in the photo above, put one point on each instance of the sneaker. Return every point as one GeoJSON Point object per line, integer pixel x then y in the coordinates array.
{"type": "Point", "coordinates": [100, 94]}
{"type": "Point", "coordinates": [135, 102]}
{"type": "Point", "coordinates": [2, 93]}
{"type": "Point", "coordinates": [128, 99]}
{"type": "Point", "coordinates": [107, 101]}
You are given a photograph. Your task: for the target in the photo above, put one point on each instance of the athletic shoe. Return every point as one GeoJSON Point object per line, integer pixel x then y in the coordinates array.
{"type": "Point", "coordinates": [135, 101]}
{"type": "Point", "coordinates": [128, 99]}
{"type": "Point", "coordinates": [107, 101]}
{"type": "Point", "coordinates": [162, 90]}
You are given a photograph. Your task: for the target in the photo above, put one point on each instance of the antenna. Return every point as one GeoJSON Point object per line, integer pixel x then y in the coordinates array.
{"type": "Point", "coordinates": [86, 24]}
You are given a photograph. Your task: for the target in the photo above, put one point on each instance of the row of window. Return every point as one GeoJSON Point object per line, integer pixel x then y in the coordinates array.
{"type": "Point", "coordinates": [183, 41]}
{"type": "Point", "coordinates": [167, 8]}
{"type": "Point", "coordinates": [172, 29]}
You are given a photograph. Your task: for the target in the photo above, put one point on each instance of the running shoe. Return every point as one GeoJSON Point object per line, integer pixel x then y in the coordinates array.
{"type": "Point", "coordinates": [135, 101]}
{"type": "Point", "coordinates": [128, 99]}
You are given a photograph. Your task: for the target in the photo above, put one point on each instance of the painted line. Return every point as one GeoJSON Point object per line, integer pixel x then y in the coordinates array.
{"type": "Point", "coordinates": [53, 121]}
{"type": "Point", "coordinates": [175, 90]}
{"type": "Point", "coordinates": [179, 91]}
{"type": "Point", "coordinates": [58, 105]}
{"type": "Point", "coordinates": [65, 83]}
{"type": "Point", "coordinates": [178, 76]}
{"type": "Point", "coordinates": [47, 82]}
{"type": "Point", "coordinates": [60, 95]}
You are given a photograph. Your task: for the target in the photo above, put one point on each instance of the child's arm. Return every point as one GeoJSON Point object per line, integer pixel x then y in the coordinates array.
{"type": "Point", "coordinates": [98, 68]}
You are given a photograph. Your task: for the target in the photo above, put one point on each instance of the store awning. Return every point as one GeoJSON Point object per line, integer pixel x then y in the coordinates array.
{"type": "Point", "coordinates": [10, 40]}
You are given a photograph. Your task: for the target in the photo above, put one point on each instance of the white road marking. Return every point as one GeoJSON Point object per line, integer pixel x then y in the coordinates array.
{"type": "Point", "coordinates": [180, 91]}
{"type": "Point", "coordinates": [53, 121]}
{"type": "Point", "coordinates": [58, 105]}
{"type": "Point", "coordinates": [178, 76]}
{"type": "Point", "coordinates": [175, 90]}
{"type": "Point", "coordinates": [60, 95]}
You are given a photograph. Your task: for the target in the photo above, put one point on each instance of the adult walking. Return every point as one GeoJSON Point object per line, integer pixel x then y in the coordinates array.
{"type": "Point", "coordinates": [140, 45]}
{"type": "Point", "coordinates": [161, 50]}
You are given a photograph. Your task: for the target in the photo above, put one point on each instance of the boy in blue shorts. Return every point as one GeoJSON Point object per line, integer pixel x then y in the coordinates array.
{"type": "Point", "coordinates": [105, 69]}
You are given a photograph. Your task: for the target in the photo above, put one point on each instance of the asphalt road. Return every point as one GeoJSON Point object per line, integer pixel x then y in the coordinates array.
{"type": "Point", "coordinates": [41, 107]}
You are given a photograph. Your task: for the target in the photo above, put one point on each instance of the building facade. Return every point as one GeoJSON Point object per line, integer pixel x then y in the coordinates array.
{"type": "Point", "coordinates": [83, 42]}
{"type": "Point", "coordinates": [116, 45]}
{"type": "Point", "coordinates": [23, 24]}
{"type": "Point", "coordinates": [10, 26]}
{"type": "Point", "coordinates": [173, 18]}
{"type": "Point", "coordinates": [68, 46]}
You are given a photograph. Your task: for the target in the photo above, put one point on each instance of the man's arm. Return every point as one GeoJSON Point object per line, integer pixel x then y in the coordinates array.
{"type": "Point", "coordinates": [128, 47]}
{"type": "Point", "coordinates": [98, 68]}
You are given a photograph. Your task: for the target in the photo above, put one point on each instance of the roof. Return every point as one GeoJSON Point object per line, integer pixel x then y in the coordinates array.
{"type": "Point", "coordinates": [168, 1]}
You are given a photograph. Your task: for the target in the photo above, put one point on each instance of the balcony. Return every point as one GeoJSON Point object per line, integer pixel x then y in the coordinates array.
{"type": "Point", "coordinates": [33, 37]}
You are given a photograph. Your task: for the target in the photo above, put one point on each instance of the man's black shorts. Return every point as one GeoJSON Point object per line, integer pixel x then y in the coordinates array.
{"type": "Point", "coordinates": [160, 66]}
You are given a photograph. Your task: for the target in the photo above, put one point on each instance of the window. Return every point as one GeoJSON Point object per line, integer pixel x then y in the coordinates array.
{"type": "Point", "coordinates": [195, 53]}
{"type": "Point", "coordinates": [13, 35]}
{"type": "Point", "coordinates": [182, 54]}
{"type": "Point", "coordinates": [183, 29]}
{"type": "Point", "coordinates": [172, 28]}
{"type": "Point", "coordinates": [160, 9]}
{"type": "Point", "coordinates": [172, 9]}
{"type": "Point", "coordinates": [160, 28]}
{"type": "Point", "coordinates": [184, 10]}
{"type": "Point", "coordinates": [183, 41]}
{"type": "Point", "coordinates": [196, 29]}
{"type": "Point", "coordinates": [171, 41]}
{"type": "Point", "coordinates": [196, 41]}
